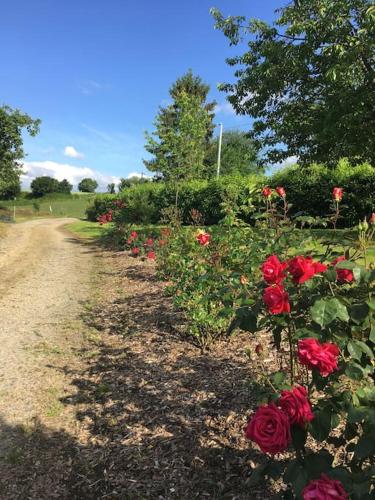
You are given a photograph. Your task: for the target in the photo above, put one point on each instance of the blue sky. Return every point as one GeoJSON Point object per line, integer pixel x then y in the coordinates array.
{"type": "Point", "coordinates": [96, 71]}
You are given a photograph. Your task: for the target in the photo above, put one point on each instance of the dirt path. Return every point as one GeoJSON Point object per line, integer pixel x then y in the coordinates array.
{"type": "Point", "coordinates": [44, 278]}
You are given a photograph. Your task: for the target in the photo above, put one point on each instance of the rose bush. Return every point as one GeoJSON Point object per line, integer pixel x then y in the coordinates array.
{"type": "Point", "coordinates": [323, 315]}
{"type": "Point", "coordinates": [317, 303]}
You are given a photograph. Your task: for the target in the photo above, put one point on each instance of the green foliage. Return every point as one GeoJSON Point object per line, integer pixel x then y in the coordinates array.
{"type": "Point", "coordinates": [219, 287]}
{"type": "Point", "coordinates": [183, 129]}
{"type": "Point", "coordinates": [87, 185]}
{"type": "Point", "coordinates": [61, 204]}
{"type": "Point", "coordinates": [12, 122]}
{"type": "Point", "coordinates": [145, 203]}
{"type": "Point", "coordinates": [238, 155]}
{"type": "Point", "coordinates": [41, 186]}
{"type": "Point", "coordinates": [308, 80]}
{"type": "Point", "coordinates": [127, 183]}
{"type": "Point", "coordinates": [111, 188]}
{"type": "Point", "coordinates": [308, 189]}
{"type": "Point", "coordinates": [65, 187]}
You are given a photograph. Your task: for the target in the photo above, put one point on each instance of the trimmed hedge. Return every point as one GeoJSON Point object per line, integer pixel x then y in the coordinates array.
{"type": "Point", "coordinates": [309, 189]}
{"type": "Point", "coordinates": [308, 192]}
{"type": "Point", "coordinates": [145, 202]}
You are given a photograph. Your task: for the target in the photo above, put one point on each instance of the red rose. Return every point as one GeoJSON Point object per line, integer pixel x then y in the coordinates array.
{"type": "Point", "coordinates": [273, 270]}
{"type": "Point", "coordinates": [270, 429]}
{"type": "Point", "coordinates": [134, 235]}
{"type": "Point", "coordinates": [322, 357]}
{"type": "Point", "coordinates": [129, 241]}
{"type": "Point", "coordinates": [203, 238]}
{"type": "Point", "coordinates": [149, 242]}
{"type": "Point", "coordinates": [266, 191]}
{"type": "Point", "coordinates": [281, 192]}
{"type": "Point", "coordinates": [296, 405]}
{"type": "Point", "coordinates": [151, 255]}
{"type": "Point", "coordinates": [162, 243]}
{"type": "Point", "coordinates": [337, 193]}
{"type": "Point", "coordinates": [324, 488]}
{"type": "Point", "coordinates": [276, 299]}
{"type": "Point", "coordinates": [304, 268]}
{"type": "Point", "coordinates": [372, 218]}
{"type": "Point", "coordinates": [343, 275]}
{"type": "Point", "coordinates": [135, 251]}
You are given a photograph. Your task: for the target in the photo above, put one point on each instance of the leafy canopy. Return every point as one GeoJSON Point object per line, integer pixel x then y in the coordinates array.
{"type": "Point", "coordinates": [87, 185]}
{"type": "Point", "coordinates": [238, 155]}
{"type": "Point", "coordinates": [12, 122]}
{"type": "Point", "coordinates": [308, 79]}
{"type": "Point", "coordinates": [182, 131]}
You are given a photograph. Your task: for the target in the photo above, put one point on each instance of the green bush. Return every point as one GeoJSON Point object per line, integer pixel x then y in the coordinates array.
{"type": "Point", "coordinates": [145, 202]}
{"type": "Point", "coordinates": [308, 192]}
{"type": "Point", "coordinates": [309, 189]}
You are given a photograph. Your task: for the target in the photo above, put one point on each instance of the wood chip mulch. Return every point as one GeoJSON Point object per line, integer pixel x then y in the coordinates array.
{"type": "Point", "coordinates": [156, 417]}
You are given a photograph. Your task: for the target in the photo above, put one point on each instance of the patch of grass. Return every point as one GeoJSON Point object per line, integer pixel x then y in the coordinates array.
{"type": "Point", "coordinates": [93, 337]}
{"type": "Point", "coordinates": [14, 457]}
{"type": "Point", "coordinates": [45, 348]}
{"type": "Point", "coordinates": [86, 229]}
{"type": "Point", "coordinates": [102, 389]}
{"type": "Point", "coordinates": [54, 406]}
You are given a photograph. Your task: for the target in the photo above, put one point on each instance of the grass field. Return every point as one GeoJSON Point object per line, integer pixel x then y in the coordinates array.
{"type": "Point", "coordinates": [48, 206]}
{"type": "Point", "coordinates": [86, 229]}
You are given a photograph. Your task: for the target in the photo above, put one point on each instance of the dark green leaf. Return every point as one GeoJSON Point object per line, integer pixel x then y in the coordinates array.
{"type": "Point", "coordinates": [320, 427]}
{"type": "Point", "coordinates": [365, 447]}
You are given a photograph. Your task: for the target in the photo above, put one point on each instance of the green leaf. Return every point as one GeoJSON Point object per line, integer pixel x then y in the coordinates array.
{"type": "Point", "coordinates": [246, 319]}
{"type": "Point", "coordinates": [354, 371]}
{"type": "Point", "coordinates": [346, 264]}
{"type": "Point", "coordinates": [320, 427]}
{"type": "Point", "coordinates": [372, 334]}
{"type": "Point", "coordinates": [324, 311]}
{"type": "Point", "coordinates": [296, 475]}
{"type": "Point", "coordinates": [365, 447]}
{"type": "Point", "coordinates": [318, 463]}
{"type": "Point", "coordinates": [299, 436]}
{"type": "Point", "coordinates": [359, 312]}
{"type": "Point", "coordinates": [354, 350]}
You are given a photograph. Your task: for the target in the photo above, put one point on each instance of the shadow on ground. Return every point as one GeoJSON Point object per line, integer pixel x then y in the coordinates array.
{"type": "Point", "coordinates": [157, 419]}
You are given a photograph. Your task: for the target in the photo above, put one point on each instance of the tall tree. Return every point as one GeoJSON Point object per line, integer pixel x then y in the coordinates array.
{"type": "Point", "coordinates": [238, 155]}
{"type": "Point", "coordinates": [308, 79]}
{"type": "Point", "coordinates": [87, 185]}
{"type": "Point", "coordinates": [12, 122]}
{"type": "Point", "coordinates": [189, 104]}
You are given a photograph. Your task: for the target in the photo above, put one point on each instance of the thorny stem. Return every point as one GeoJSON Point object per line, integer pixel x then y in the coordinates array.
{"type": "Point", "coordinates": [336, 215]}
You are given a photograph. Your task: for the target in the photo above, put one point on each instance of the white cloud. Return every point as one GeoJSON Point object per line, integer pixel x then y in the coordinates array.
{"type": "Point", "coordinates": [291, 160]}
{"type": "Point", "coordinates": [90, 87]}
{"type": "Point", "coordinates": [72, 152]}
{"type": "Point", "coordinates": [62, 171]}
{"type": "Point", "coordinates": [225, 108]}
{"type": "Point", "coordinates": [137, 174]}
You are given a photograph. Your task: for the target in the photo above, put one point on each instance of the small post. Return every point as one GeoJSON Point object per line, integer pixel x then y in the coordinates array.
{"type": "Point", "coordinates": [14, 209]}
{"type": "Point", "coordinates": [219, 150]}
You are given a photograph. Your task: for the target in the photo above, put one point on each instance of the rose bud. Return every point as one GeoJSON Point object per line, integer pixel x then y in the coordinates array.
{"type": "Point", "coordinates": [337, 193]}
{"type": "Point", "coordinates": [281, 192]}
{"type": "Point", "coordinates": [266, 191]}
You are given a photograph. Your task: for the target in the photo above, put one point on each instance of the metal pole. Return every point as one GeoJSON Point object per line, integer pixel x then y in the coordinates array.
{"type": "Point", "coordinates": [219, 151]}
